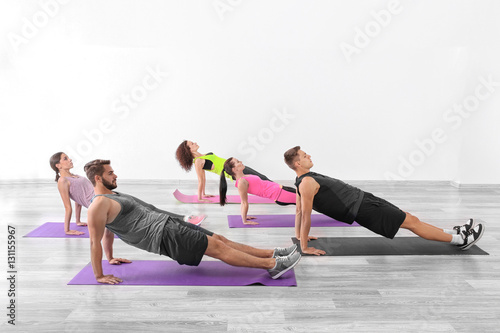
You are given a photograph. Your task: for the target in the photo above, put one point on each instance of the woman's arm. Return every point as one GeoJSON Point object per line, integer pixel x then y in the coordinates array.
{"type": "Point", "coordinates": [63, 187]}
{"type": "Point", "coordinates": [198, 165]}
{"type": "Point", "coordinates": [78, 212]}
{"type": "Point", "coordinates": [243, 191]}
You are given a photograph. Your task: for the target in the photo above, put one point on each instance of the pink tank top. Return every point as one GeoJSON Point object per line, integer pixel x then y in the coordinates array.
{"type": "Point", "coordinates": [80, 190]}
{"type": "Point", "coordinates": [261, 188]}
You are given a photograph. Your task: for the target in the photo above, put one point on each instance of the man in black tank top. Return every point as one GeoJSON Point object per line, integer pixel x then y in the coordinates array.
{"type": "Point", "coordinates": [347, 203]}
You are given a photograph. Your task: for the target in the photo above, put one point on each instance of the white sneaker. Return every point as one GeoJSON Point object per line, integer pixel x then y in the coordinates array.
{"type": "Point", "coordinates": [466, 227]}
{"type": "Point", "coordinates": [472, 236]}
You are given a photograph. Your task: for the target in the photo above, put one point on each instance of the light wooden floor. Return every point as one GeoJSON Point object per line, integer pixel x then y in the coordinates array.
{"type": "Point", "coordinates": [355, 294]}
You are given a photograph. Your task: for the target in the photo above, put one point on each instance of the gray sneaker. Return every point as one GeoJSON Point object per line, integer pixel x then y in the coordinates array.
{"type": "Point", "coordinates": [284, 251]}
{"type": "Point", "coordinates": [284, 264]}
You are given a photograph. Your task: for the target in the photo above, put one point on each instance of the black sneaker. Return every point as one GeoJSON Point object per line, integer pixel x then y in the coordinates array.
{"type": "Point", "coordinates": [284, 251]}
{"type": "Point", "coordinates": [284, 264]}
{"type": "Point", "coordinates": [472, 236]}
{"type": "Point", "coordinates": [466, 227]}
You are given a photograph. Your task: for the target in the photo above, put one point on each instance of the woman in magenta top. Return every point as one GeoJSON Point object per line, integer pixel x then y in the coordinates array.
{"type": "Point", "coordinates": [71, 186]}
{"type": "Point", "coordinates": [282, 195]}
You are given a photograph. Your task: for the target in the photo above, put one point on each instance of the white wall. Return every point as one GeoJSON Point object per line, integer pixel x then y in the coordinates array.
{"type": "Point", "coordinates": [233, 66]}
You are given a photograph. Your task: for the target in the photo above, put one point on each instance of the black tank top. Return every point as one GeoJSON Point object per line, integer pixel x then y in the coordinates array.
{"type": "Point", "coordinates": [208, 164]}
{"type": "Point", "coordinates": [335, 198]}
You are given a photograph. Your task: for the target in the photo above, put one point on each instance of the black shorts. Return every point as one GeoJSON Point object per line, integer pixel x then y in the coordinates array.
{"type": "Point", "coordinates": [184, 242]}
{"type": "Point", "coordinates": [380, 216]}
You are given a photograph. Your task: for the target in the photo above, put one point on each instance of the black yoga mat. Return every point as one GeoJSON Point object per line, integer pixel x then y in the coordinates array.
{"type": "Point", "coordinates": [380, 246]}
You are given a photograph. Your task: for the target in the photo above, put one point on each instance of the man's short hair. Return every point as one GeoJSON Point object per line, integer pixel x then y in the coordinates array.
{"type": "Point", "coordinates": [95, 168]}
{"type": "Point", "coordinates": [291, 156]}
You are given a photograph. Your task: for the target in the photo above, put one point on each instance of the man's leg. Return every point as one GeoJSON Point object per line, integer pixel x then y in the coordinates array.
{"type": "Point", "coordinates": [425, 230]}
{"type": "Point", "coordinates": [218, 249]}
{"type": "Point", "coordinates": [276, 267]}
{"type": "Point", "coordinates": [260, 253]}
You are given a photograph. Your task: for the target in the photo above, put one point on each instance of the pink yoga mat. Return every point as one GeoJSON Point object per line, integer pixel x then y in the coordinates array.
{"type": "Point", "coordinates": [56, 230]}
{"type": "Point", "coordinates": [215, 200]}
{"type": "Point", "coordinates": [170, 273]}
{"type": "Point", "coordinates": [285, 221]}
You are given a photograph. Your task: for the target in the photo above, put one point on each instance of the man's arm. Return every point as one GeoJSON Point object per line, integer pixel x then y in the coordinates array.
{"type": "Point", "coordinates": [308, 189]}
{"type": "Point", "coordinates": [97, 217]}
{"type": "Point", "coordinates": [107, 244]}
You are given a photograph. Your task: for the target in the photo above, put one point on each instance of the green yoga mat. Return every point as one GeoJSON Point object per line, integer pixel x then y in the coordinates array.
{"type": "Point", "coordinates": [380, 246]}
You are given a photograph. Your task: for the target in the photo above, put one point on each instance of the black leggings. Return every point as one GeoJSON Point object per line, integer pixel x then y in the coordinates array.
{"type": "Point", "coordinates": [288, 189]}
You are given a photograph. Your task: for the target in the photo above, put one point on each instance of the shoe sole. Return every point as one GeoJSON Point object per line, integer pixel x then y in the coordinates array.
{"type": "Point", "coordinates": [203, 219]}
{"type": "Point", "coordinates": [475, 240]}
{"type": "Point", "coordinates": [286, 270]}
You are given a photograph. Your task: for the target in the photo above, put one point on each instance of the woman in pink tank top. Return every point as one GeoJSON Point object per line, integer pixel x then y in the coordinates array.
{"type": "Point", "coordinates": [187, 155]}
{"type": "Point", "coordinates": [282, 195]}
{"type": "Point", "coordinates": [71, 186]}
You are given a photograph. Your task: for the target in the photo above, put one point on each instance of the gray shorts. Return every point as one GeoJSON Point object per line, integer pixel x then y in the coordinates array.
{"type": "Point", "coordinates": [184, 242]}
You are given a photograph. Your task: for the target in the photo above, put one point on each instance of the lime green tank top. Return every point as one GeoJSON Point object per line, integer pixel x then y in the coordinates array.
{"type": "Point", "coordinates": [218, 163]}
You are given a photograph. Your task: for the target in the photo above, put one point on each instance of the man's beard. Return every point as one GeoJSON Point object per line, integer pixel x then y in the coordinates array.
{"type": "Point", "coordinates": [108, 185]}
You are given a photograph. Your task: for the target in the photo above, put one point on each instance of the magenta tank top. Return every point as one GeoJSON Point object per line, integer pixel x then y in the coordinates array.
{"type": "Point", "coordinates": [80, 190]}
{"type": "Point", "coordinates": [262, 188]}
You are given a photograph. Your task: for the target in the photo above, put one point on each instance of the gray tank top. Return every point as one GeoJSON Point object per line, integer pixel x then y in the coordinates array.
{"type": "Point", "coordinates": [137, 224]}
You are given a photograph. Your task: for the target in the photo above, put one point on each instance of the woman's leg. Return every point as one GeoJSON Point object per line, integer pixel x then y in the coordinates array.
{"type": "Point", "coordinates": [287, 196]}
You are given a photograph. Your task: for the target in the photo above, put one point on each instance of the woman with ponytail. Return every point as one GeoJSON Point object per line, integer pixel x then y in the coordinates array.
{"type": "Point", "coordinates": [282, 195]}
{"type": "Point", "coordinates": [81, 191]}
{"type": "Point", "coordinates": [71, 186]}
{"type": "Point", "coordinates": [187, 154]}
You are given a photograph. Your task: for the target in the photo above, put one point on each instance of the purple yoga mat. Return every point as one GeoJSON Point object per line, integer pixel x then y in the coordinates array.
{"type": "Point", "coordinates": [56, 230]}
{"type": "Point", "coordinates": [285, 221]}
{"type": "Point", "coordinates": [215, 200]}
{"type": "Point", "coordinates": [170, 273]}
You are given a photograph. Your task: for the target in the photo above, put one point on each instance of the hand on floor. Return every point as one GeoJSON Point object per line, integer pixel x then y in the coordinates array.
{"type": "Point", "coordinates": [74, 232]}
{"type": "Point", "coordinates": [118, 261]}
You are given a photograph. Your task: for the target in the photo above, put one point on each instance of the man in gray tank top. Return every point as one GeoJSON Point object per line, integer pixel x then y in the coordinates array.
{"type": "Point", "coordinates": [347, 203]}
{"type": "Point", "coordinates": [154, 230]}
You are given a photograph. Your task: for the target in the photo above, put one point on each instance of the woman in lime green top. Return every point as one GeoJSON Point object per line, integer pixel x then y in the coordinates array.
{"type": "Point", "coordinates": [187, 154]}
